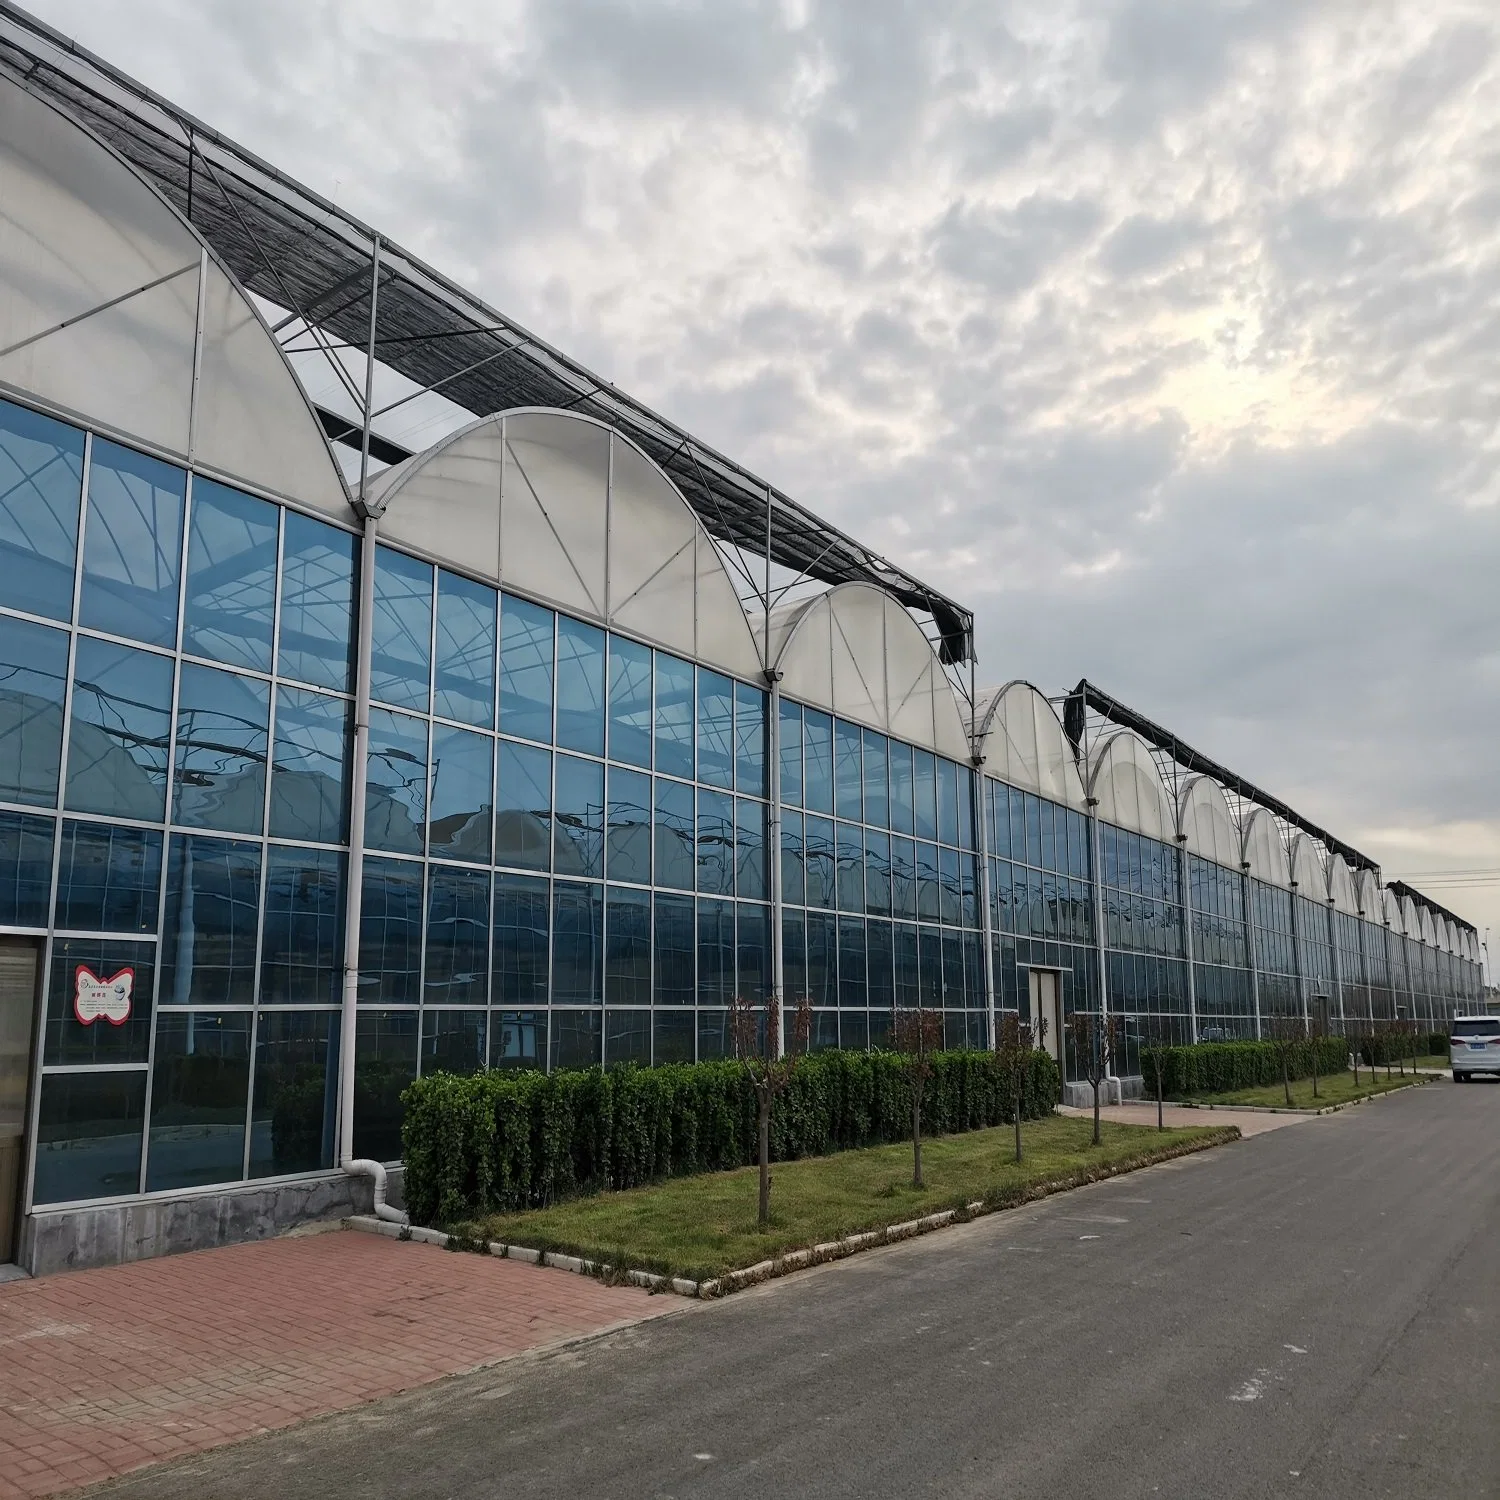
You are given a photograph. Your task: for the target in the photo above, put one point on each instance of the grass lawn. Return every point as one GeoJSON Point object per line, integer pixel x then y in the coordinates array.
{"type": "Point", "coordinates": [1434, 1060]}
{"type": "Point", "coordinates": [700, 1227]}
{"type": "Point", "coordinates": [1336, 1088]}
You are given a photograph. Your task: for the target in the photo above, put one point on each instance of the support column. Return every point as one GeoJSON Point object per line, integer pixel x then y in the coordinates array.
{"type": "Point", "coordinates": [986, 910]}
{"type": "Point", "coordinates": [1338, 966]}
{"type": "Point", "coordinates": [1185, 885]}
{"type": "Point", "coordinates": [1247, 906]}
{"type": "Point", "coordinates": [773, 845]}
{"type": "Point", "coordinates": [1096, 857]}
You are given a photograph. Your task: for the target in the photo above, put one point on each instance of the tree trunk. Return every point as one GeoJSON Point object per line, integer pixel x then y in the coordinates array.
{"type": "Point", "coordinates": [1316, 1063]}
{"type": "Point", "coordinates": [1018, 1115]}
{"type": "Point", "coordinates": [765, 1159]}
{"type": "Point", "coordinates": [916, 1137]}
{"type": "Point", "coordinates": [1159, 1090]}
{"type": "Point", "coordinates": [1095, 1083]}
{"type": "Point", "coordinates": [1286, 1075]}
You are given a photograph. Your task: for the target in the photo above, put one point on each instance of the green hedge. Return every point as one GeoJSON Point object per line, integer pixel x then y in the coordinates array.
{"type": "Point", "coordinates": [1376, 1050]}
{"type": "Point", "coordinates": [496, 1141]}
{"type": "Point", "coordinates": [1217, 1067]}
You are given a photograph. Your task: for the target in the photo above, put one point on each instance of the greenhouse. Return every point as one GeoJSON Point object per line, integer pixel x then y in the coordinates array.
{"type": "Point", "coordinates": [326, 760]}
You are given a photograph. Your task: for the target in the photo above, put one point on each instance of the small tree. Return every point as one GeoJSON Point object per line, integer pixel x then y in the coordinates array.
{"type": "Point", "coordinates": [1287, 1036]}
{"type": "Point", "coordinates": [754, 1029]}
{"type": "Point", "coordinates": [916, 1034]}
{"type": "Point", "coordinates": [1013, 1046]}
{"type": "Point", "coordinates": [1317, 1029]}
{"type": "Point", "coordinates": [1158, 1032]}
{"type": "Point", "coordinates": [1095, 1038]}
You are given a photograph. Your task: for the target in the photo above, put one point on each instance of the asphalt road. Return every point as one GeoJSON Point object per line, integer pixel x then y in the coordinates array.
{"type": "Point", "coordinates": [1314, 1312]}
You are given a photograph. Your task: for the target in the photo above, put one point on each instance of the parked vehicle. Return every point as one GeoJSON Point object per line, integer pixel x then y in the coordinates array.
{"type": "Point", "coordinates": [1474, 1046]}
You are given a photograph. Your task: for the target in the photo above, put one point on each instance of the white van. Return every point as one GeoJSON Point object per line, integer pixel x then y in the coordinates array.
{"type": "Point", "coordinates": [1474, 1046]}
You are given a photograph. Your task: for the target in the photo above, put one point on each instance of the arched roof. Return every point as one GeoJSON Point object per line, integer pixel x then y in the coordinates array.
{"type": "Point", "coordinates": [1265, 854]}
{"type": "Point", "coordinates": [561, 507]}
{"type": "Point", "coordinates": [1309, 871]}
{"type": "Point", "coordinates": [1018, 733]}
{"type": "Point", "coordinates": [1368, 897]}
{"type": "Point", "coordinates": [1207, 825]}
{"type": "Point", "coordinates": [1426, 928]}
{"type": "Point", "coordinates": [1125, 784]}
{"type": "Point", "coordinates": [1395, 917]}
{"type": "Point", "coordinates": [1341, 886]}
{"type": "Point", "coordinates": [855, 651]}
{"type": "Point", "coordinates": [1443, 934]}
{"type": "Point", "coordinates": [111, 301]}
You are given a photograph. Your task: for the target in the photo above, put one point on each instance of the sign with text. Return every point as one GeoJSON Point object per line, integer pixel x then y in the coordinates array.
{"type": "Point", "coordinates": [96, 999]}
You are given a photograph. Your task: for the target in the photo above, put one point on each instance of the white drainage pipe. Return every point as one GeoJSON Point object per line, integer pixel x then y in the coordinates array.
{"type": "Point", "coordinates": [359, 1166]}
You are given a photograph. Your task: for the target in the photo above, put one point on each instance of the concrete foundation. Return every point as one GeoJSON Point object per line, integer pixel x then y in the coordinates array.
{"type": "Point", "coordinates": [75, 1239]}
{"type": "Point", "coordinates": [1111, 1091]}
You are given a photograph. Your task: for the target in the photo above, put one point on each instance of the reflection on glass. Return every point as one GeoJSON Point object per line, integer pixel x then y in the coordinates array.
{"type": "Point", "coordinates": [578, 817]}
{"type": "Point", "coordinates": [390, 932]}
{"type": "Point", "coordinates": [793, 959]}
{"type": "Point", "coordinates": [41, 482]}
{"type": "Point", "coordinates": [749, 740]}
{"type": "Point", "coordinates": [294, 1112]}
{"type": "Point", "coordinates": [317, 603]}
{"type": "Point", "coordinates": [89, 1129]}
{"type": "Point", "coordinates": [877, 793]}
{"type": "Point", "coordinates": [750, 849]}
{"type": "Point", "coordinates": [715, 952]}
{"type": "Point", "coordinates": [33, 682]}
{"type": "Point", "coordinates": [79, 1034]}
{"type": "Point", "coordinates": [848, 772]}
{"type": "Point", "coordinates": [715, 843]}
{"type": "Point", "coordinates": [675, 943]}
{"type": "Point", "coordinates": [791, 754]}
{"type": "Point", "coordinates": [930, 964]}
{"type": "Point", "coordinates": [122, 725]}
{"type": "Point", "coordinates": [822, 958]}
{"type": "Point", "coordinates": [108, 879]}
{"type": "Point", "coordinates": [523, 806]}
{"type": "Point", "coordinates": [753, 946]}
{"type": "Point", "coordinates": [222, 723]}
{"type": "Point", "coordinates": [947, 774]}
{"type": "Point", "coordinates": [929, 877]}
{"type": "Point", "coordinates": [879, 971]}
{"type": "Point", "coordinates": [302, 951]}
{"type": "Point", "coordinates": [672, 1037]}
{"type": "Point", "coordinates": [819, 856]}
{"type": "Point", "coordinates": [627, 948]}
{"type": "Point", "coordinates": [462, 776]}
{"type": "Point", "coordinates": [208, 937]}
{"type": "Point", "coordinates": [817, 756]}
{"type": "Point", "coordinates": [793, 874]}
{"type": "Point", "coordinates": [676, 852]}
{"type": "Point", "coordinates": [628, 855]}
{"type": "Point", "coordinates": [25, 869]}
{"type": "Point", "coordinates": [877, 873]}
{"type": "Point", "coordinates": [903, 878]}
{"type": "Point", "coordinates": [522, 939]}
{"type": "Point", "coordinates": [525, 669]}
{"type": "Point", "coordinates": [925, 787]}
{"type": "Point", "coordinates": [230, 599]}
{"type": "Point", "coordinates": [458, 937]}
{"type": "Point", "coordinates": [580, 686]}
{"type": "Point", "coordinates": [949, 886]}
{"type": "Point", "coordinates": [628, 1037]}
{"type": "Point", "coordinates": [577, 944]}
{"type": "Point", "coordinates": [715, 728]}
{"type": "Point", "coordinates": [520, 1039]}
{"type": "Point", "coordinates": [401, 630]}
{"type": "Point", "coordinates": [132, 545]}
{"type": "Point", "coordinates": [674, 716]}
{"type": "Point", "coordinates": [908, 988]}
{"type": "Point", "coordinates": [309, 790]}
{"type": "Point", "coordinates": [385, 1062]}
{"type": "Point", "coordinates": [199, 1087]}
{"type": "Point", "coordinates": [852, 963]}
{"type": "Point", "coordinates": [453, 1041]}
{"type": "Point", "coordinates": [396, 783]}
{"type": "Point", "coordinates": [851, 868]}
{"type": "Point", "coordinates": [464, 675]}
{"type": "Point", "coordinates": [903, 788]}
{"type": "Point", "coordinates": [629, 702]}
{"type": "Point", "coordinates": [577, 1036]}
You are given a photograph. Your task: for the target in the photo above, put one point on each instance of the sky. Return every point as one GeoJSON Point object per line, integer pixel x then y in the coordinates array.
{"type": "Point", "coordinates": [1162, 335]}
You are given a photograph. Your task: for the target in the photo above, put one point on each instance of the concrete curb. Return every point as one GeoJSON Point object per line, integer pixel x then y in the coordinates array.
{"type": "Point", "coordinates": [793, 1260]}
{"type": "Point", "coordinates": [1327, 1109]}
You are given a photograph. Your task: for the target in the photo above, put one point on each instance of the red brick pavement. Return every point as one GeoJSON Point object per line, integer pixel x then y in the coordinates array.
{"type": "Point", "coordinates": [103, 1371]}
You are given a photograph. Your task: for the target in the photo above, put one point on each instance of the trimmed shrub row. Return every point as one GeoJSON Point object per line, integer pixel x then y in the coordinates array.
{"type": "Point", "coordinates": [492, 1142]}
{"type": "Point", "coordinates": [1217, 1067]}
{"type": "Point", "coordinates": [1377, 1050]}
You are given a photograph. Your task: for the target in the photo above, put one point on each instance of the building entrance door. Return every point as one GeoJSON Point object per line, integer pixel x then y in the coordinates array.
{"type": "Point", "coordinates": [17, 1027]}
{"type": "Point", "coordinates": [1046, 1011]}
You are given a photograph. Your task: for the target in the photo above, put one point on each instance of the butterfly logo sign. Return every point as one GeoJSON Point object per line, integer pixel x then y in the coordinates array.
{"type": "Point", "coordinates": [96, 999]}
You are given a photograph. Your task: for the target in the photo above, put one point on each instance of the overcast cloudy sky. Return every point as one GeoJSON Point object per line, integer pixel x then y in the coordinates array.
{"type": "Point", "coordinates": [1164, 333]}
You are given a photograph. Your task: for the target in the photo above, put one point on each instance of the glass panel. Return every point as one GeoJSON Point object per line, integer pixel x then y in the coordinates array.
{"type": "Point", "coordinates": [463, 774]}
{"type": "Point", "coordinates": [318, 593]}
{"type": "Point", "coordinates": [132, 545]}
{"type": "Point", "coordinates": [302, 949]}
{"type": "Point", "coordinates": [230, 600]}
{"type": "Point", "coordinates": [877, 873]}
{"type": "Point", "coordinates": [520, 1039]}
{"type": "Point", "coordinates": [294, 1112]}
{"type": "Point", "coordinates": [749, 740]}
{"type": "Point", "coordinates": [108, 879]}
{"type": "Point", "coordinates": [674, 716]}
{"type": "Point", "coordinates": [396, 783]}
{"type": "Point", "coordinates": [89, 1136]}
{"type": "Point", "coordinates": [576, 1038]}
{"type": "Point", "coordinates": [953, 970]}
{"type": "Point", "coordinates": [672, 1037]}
{"type": "Point", "coordinates": [628, 856]}
{"type": "Point", "coordinates": [93, 982]}
{"type": "Point", "coordinates": [754, 944]}
{"type": "Point", "coordinates": [523, 905]}
{"type": "Point", "coordinates": [523, 807]}
{"type": "Point", "coordinates": [385, 1061]}
{"type": "Point", "coordinates": [628, 1039]}
{"type": "Point", "coordinates": [309, 767]}
{"type": "Point", "coordinates": [208, 936]}
{"type": "Point", "coordinates": [464, 676]}
{"type": "Point", "coordinates": [577, 943]}
{"type": "Point", "coordinates": [715, 843]}
{"type": "Point", "coordinates": [999, 801]}
{"type": "Point", "coordinates": [629, 702]}
{"type": "Point", "coordinates": [41, 483]}
{"type": "Point", "coordinates": [715, 728]}
{"type": "Point", "coordinates": [822, 958]}
{"type": "Point", "coordinates": [817, 742]}
{"type": "Point", "coordinates": [877, 793]}
{"type": "Point", "coordinates": [793, 959]}
{"type": "Point", "coordinates": [928, 877]}
{"type": "Point", "coordinates": [676, 855]}
{"type": "Point", "coordinates": [908, 988]}
{"type": "Point", "coordinates": [526, 669]}
{"type": "Point", "coordinates": [924, 783]}
{"type": "Point", "coordinates": [122, 725]}
{"type": "Point", "coordinates": [390, 933]}
{"type": "Point", "coordinates": [950, 886]}
{"type": "Point", "coordinates": [750, 849]}
{"type": "Point", "coordinates": [848, 770]}
{"type": "Point", "coordinates": [222, 732]}
{"type": "Point", "coordinates": [1050, 860]}
{"type": "Point", "coordinates": [453, 1041]}
{"type": "Point", "coordinates": [966, 828]}
{"type": "Point", "coordinates": [818, 841]}
{"type": "Point", "coordinates": [947, 801]}
{"type": "Point", "coordinates": [930, 950]}
{"type": "Point", "coordinates": [791, 754]}
{"type": "Point", "coordinates": [852, 990]}
{"type": "Point", "coordinates": [578, 821]}
{"type": "Point", "coordinates": [199, 1087]}
{"type": "Point", "coordinates": [879, 965]}
{"type": "Point", "coordinates": [25, 869]}
{"type": "Point", "coordinates": [903, 878]}
{"type": "Point", "coordinates": [715, 952]}
{"type": "Point", "coordinates": [675, 944]}
{"type": "Point", "coordinates": [714, 1040]}
{"type": "Point", "coordinates": [580, 686]}
{"type": "Point", "coordinates": [458, 937]}
{"type": "Point", "coordinates": [903, 788]}
{"type": "Point", "coordinates": [401, 630]}
{"type": "Point", "coordinates": [793, 873]}
{"type": "Point", "coordinates": [627, 950]}
{"type": "Point", "coordinates": [851, 868]}
{"type": "Point", "coordinates": [33, 682]}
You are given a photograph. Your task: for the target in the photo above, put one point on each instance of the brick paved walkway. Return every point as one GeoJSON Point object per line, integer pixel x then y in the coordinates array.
{"type": "Point", "coordinates": [103, 1371]}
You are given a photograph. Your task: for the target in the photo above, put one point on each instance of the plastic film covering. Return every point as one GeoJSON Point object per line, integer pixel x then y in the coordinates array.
{"type": "Point", "coordinates": [1207, 825]}
{"type": "Point", "coordinates": [1367, 896]}
{"type": "Point", "coordinates": [1341, 886]}
{"type": "Point", "coordinates": [1021, 738]}
{"type": "Point", "coordinates": [1395, 917]}
{"type": "Point", "coordinates": [559, 507]}
{"type": "Point", "coordinates": [1129, 791]}
{"type": "Point", "coordinates": [1309, 868]}
{"type": "Point", "coordinates": [1265, 854]}
{"type": "Point", "coordinates": [856, 651]}
{"type": "Point", "coordinates": [1425, 926]}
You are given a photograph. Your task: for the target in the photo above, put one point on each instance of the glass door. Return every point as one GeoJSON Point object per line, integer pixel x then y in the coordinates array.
{"type": "Point", "coordinates": [17, 1017]}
